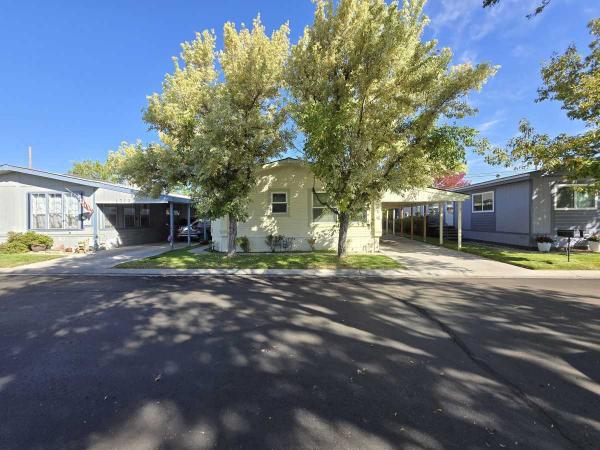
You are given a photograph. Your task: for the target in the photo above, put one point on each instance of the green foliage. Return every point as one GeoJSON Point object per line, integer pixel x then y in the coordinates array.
{"type": "Point", "coordinates": [573, 80]}
{"type": "Point", "coordinates": [273, 241]}
{"type": "Point", "coordinates": [96, 170]}
{"type": "Point", "coordinates": [368, 93]}
{"type": "Point", "coordinates": [594, 238]}
{"type": "Point", "coordinates": [22, 242]}
{"type": "Point", "coordinates": [244, 243]}
{"type": "Point", "coordinates": [216, 133]}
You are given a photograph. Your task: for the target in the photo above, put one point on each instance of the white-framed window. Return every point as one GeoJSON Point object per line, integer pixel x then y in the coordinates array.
{"type": "Point", "coordinates": [482, 202]}
{"type": "Point", "coordinates": [320, 211]}
{"type": "Point", "coordinates": [279, 202]}
{"type": "Point", "coordinates": [567, 197]}
{"type": "Point", "coordinates": [54, 211]}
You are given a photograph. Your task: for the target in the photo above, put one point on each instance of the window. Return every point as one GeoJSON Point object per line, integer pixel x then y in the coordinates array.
{"type": "Point", "coordinates": [145, 216]}
{"type": "Point", "coordinates": [54, 211]}
{"type": "Point", "coordinates": [483, 202]}
{"type": "Point", "coordinates": [129, 216]}
{"type": "Point", "coordinates": [38, 211]}
{"type": "Point", "coordinates": [320, 212]}
{"type": "Point", "coordinates": [567, 197]}
{"type": "Point", "coordinates": [72, 211]}
{"type": "Point", "coordinates": [110, 216]}
{"type": "Point", "coordinates": [279, 204]}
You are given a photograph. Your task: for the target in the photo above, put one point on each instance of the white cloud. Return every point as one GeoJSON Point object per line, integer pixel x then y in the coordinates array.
{"type": "Point", "coordinates": [485, 126]}
{"type": "Point", "coordinates": [468, 57]}
{"type": "Point", "coordinates": [521, 51]}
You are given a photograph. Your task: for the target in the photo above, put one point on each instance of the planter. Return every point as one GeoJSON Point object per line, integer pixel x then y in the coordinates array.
{"type": "Point", "coordinates": [594, 246]}
{"type": "Point", "coordinates": [544, 247]}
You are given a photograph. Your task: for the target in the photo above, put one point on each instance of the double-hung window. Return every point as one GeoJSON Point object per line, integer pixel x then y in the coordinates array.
{"type": "Point", "coordinates": [279, 202]}
{"type": "Point", "coordinates": [483, 202]}
{"type": "Point", "coordinates": [54, 211]}
{"type": "Point", "coordinates": [320, 211]}
{"type": "Point", "coordinates": [569, 196]}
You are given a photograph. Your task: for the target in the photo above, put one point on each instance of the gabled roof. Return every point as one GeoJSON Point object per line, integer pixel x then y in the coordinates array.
{"type": "Point", "coordinates": [6, 168]}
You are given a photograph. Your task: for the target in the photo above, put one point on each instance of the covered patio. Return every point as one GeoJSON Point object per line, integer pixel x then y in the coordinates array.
{"type": "Point", "coordinates": [406, 204]}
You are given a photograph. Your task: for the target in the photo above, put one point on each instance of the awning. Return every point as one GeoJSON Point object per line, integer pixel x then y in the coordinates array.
{"type": "Point", "coordinates": [420, 197]}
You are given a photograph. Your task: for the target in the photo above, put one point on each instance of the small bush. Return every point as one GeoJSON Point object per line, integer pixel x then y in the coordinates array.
{"type": "Point", "coordinates": [13, 247]}
{"type": "Point", "coordinates": [594, 238]}
{"type": "Point", "coordinates": [273, 241]}
{"type": "Point", "coordinates": [244, 243]}
{"type": "Point", "coordinates": [312, 242]}
{"type": "Point", "coordinates": [22, 242]}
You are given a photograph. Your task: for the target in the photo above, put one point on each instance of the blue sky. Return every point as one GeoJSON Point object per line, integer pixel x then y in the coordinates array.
{"type": "Point", "coordinates": [75, 74]}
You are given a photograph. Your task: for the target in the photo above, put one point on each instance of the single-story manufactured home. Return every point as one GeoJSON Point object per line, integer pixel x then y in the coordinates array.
{"type": "Point", "coordinates": [289, 202]}
{"type": "Point", "coordinates": [73, 210]}
{"type": "Point", "coordinates": [515, 210]}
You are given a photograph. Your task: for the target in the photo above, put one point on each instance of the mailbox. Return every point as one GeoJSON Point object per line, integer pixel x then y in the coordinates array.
{"type": "Point", "coordinates": [569, 233]}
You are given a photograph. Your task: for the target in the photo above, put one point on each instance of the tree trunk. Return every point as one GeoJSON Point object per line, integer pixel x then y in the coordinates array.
{"type": "Point", "coordinates": [344, 222]}
{"type": "Point", "coordinates": [232, 236]}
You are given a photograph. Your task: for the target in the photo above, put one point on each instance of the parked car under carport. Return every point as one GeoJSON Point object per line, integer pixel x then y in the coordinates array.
{"type": "Point", "coordinates": [199, 230]}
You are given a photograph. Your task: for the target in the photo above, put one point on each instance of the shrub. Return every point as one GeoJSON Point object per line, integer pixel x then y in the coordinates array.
{"type": "Point", "coordinates": [273, 241]}
{"type": "Point", "coordinates": [22, 242]}
{"type": "Point", "coordinates": [13, 247]}
{"type": "Point", "coordinates": [244, 243]}
{"type": "Point", "coordinates": [312, 242]}
{"type": "Point", "coordinates": [594, 238]}
{"type": "Point", "coordinates": [544, 239]}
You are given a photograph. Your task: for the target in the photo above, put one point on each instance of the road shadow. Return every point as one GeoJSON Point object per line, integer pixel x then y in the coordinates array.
{"type": "Point", "coordinates": [120, 362]}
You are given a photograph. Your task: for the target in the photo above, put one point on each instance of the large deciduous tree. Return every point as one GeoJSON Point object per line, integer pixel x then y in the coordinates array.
{"type": "Point", "coordinates": [573, 80]}
{"type": "Point", "coordinates": [368, 92]}
{"type": "Point", "coordinates": [217, 131]}
{"type": "Point", "coordinates": [97, 170]}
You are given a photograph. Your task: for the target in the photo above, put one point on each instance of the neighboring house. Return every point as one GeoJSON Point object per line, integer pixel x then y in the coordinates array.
{"type": "Point", "coordinates": [516, 209]}
{"type": "Point", "coordinates": [284, 204]}
{"type": "Point", "coordinates": [72, 209]}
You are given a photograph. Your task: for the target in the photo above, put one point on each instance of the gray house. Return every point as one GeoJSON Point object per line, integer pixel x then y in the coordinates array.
{"type": "Point", "coordinates": [516, 209]}
{"type": "Point", "coordinates": [73, 210]}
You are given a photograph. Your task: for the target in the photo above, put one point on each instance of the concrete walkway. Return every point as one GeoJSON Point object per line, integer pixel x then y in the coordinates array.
{"type": "Point", "coordinates": [100, 262]}
{"type": "Point", "coordinates": [422, 261]}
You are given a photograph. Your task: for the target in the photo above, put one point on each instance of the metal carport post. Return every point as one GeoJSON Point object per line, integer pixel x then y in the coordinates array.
{"type": "Point", "coordinates": [171, 225]}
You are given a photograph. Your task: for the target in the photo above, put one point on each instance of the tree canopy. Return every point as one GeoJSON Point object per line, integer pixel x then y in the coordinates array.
{"type": "Point", "coordinates": [98, 170]}
{"type": "Point", "coordinates": [573, 80]}
{"type": "Point", "coordinates": [538, 9]}
{"type": "Point", "coordinates": [369, 93]}
{"type": "Point", "coordinates": [217, 128]}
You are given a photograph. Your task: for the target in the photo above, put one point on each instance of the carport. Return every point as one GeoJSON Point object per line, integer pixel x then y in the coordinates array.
{"type": "Point", "coordinates": [422, 198]}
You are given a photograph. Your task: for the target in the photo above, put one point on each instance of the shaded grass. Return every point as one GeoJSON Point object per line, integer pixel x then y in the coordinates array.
{"type": "Point", "coordinates": [183, 259]}
{"type": "Point", "coordinates": [529, 259]}
{"type": "Point", "coordinates": [8, 260]}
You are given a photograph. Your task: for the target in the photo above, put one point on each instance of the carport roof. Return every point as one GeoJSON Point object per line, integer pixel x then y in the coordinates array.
{"type": "Point", "coordinates": [176, 198]}
{"type": "Point", "coordinates": [420, 197]}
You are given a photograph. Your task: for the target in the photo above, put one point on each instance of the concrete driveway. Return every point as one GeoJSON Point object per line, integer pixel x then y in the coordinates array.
{"type": "Point", "coordinates": [92, 263]}
{"type": "Point", "coordinates": [140, 363]}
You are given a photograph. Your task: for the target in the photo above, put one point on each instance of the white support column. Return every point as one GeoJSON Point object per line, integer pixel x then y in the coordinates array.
{"type": "Point", "coordinates": [394, 221]}
{"type": "Point", "coordinates": [387, 221]}
{"type": "Point", "coordinates": [412, 222]}
{"type": "Point", "coordinates": [95, 222]}
{"type": "Point", "coordinates": [441, 208]}
{"type": "Point", "coordinates": [459, 223]}
{"type": "Point", "coordinates": [189, 225]}
{"type": "Point", "coordinates": [171, 225]}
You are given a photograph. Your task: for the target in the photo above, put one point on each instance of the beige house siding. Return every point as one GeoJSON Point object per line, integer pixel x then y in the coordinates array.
{"type": "Point", "coordinates": [295, 178]}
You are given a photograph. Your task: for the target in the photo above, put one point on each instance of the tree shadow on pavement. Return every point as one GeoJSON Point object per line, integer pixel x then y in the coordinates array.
{"type": "Point", "coordinates": [120, 362]}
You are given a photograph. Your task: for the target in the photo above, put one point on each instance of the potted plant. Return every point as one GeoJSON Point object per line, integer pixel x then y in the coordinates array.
{"type": "Point", "coordinates": [544, 243]}
{"type": "Point", "coordinates": [594, 243]}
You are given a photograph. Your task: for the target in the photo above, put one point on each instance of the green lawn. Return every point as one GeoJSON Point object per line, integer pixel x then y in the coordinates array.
{"type": "Point", "coordinates": [183, 259]}
{"type": "Point", "coordinates": [556, 260]}
{"type": "Point", "coordinates": [20, 259]}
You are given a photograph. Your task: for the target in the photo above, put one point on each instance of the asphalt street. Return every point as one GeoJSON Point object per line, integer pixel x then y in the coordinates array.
{"type": "Point", "coordinates": [167, 362]}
